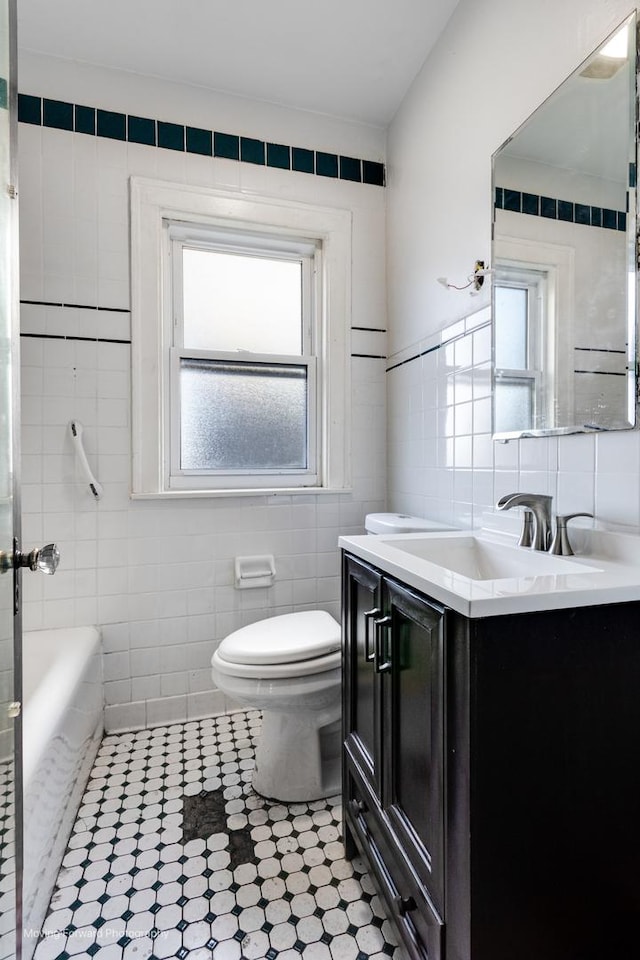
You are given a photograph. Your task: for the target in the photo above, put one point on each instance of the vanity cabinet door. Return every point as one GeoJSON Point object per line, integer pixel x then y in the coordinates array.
{"type": "Point", "coordinates": [394, 748]}
{"type": "Point", "coordinates": [413, 723]}
{"type": "Point", "coordinates": [362, 609]}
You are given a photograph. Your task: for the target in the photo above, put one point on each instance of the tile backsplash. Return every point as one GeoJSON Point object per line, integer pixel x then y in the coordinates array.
{"type": "Point", "coordinates": [444, 464]}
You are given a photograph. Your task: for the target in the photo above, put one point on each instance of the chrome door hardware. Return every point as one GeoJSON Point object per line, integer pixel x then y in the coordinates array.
{"type": "Point", "coordinates": [45, 559]}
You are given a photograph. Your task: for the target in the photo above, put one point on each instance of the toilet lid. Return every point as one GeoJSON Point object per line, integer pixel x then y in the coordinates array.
{"type": "Point", "coordinates": [288, 638]}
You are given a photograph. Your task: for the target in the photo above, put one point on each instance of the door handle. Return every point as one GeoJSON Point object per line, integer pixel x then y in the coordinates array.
{"type": "Point", "coordinates": [369, 654]}
{"type": "Point", "coordinates": [45, 559]}
{"type": "Point", "coordinates": [404, 905]}
{"type": "Point", "coordinates": [382, 662]}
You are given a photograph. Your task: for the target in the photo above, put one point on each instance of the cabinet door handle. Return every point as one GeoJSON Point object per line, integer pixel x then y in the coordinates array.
{"type": "Point", "coordinates": [369, 652]}
{"type": "Point", "coordinates": [357, 807]}
{"type": "Point", "coordinates": [382, 661]}
{"type": "Point", "coordinates": [404, 905]}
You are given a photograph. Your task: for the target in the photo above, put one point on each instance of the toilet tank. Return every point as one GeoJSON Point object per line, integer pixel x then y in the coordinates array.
{"type": "Point", "coordinates": [389, 523]}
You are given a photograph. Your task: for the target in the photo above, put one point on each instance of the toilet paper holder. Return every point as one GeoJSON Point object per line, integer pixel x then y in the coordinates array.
{"type": "Point", "coordinates": [251, 572]}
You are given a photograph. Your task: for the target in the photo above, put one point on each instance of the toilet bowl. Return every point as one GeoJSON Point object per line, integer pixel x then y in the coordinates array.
{"type": "Point", "coordinates": [289, 667]}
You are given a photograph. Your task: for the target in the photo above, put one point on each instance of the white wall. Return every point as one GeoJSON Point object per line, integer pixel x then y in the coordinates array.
{"type": "Point", "coordinates": [157, 577]}
{"type": "Point", "coordinates": [496, 61]}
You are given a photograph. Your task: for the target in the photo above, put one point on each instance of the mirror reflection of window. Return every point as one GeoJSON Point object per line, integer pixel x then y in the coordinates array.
{"type": "Point", "coordinates": [518, 326]}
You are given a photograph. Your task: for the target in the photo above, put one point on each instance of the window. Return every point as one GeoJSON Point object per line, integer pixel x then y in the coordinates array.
{"type": "Point", "coordinates": [243, 364]}
{"type": "Point", "coordinates": [240, 351]}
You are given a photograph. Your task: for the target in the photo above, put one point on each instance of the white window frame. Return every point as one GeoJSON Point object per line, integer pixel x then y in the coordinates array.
{"type": "Point", "coordinates": [284, 226]}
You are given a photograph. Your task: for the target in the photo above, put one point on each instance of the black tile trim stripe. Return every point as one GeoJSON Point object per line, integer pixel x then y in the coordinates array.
{"type": "Point", "coordinates": [369, 356]}
{"type": "Point", "coordinates": [600, 350]}
{"type": "Point", "coordinates": [438, 346]}
{"type": "Point", "coordinates": [551, 208]}
{"type": "Point", "coordinates": [61, 336]}
{"type": "Point", "coordinates": [92, 121]}
{"type": "Point", "coordinates": [370, 329]}
{"type": "Point", "coordinates": [603, 373]}
{"type": "Point", "coordinates": [416, 356]}
{"type": "Point", "coordinates": [75, 306]}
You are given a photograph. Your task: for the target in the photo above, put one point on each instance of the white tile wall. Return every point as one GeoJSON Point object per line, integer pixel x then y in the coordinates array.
{"type": "Point", "coordinates": [444, 464]}
{"type": "Point", "coordinates": [157, 577]}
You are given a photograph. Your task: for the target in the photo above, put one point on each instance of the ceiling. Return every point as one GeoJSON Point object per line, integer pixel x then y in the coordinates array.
{"type": "Point", "coordinates": [348, 58]}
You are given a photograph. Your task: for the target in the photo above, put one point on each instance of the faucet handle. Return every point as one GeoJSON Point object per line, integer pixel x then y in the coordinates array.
{"type": "Point", "coordinates": [560, 544]}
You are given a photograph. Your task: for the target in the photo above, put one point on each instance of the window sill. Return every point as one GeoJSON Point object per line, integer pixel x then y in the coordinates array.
{"type": "Point", "coordinates": [244, 492]}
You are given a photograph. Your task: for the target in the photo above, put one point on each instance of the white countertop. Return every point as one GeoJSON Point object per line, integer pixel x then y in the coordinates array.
{"type": "Point", "coordinates": [605, 569]}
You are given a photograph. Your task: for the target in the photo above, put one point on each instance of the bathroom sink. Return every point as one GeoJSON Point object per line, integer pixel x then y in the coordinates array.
{"type": "Point", "coordinates": [485, 573]}
{"type": "Point", "coordinates": [483, 560]}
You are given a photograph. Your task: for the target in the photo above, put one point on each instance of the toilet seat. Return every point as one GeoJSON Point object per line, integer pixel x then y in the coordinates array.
{"type": "Point", "coordinates": [289, 638]}
{"type": "Point", "coordinates": [276, 671]}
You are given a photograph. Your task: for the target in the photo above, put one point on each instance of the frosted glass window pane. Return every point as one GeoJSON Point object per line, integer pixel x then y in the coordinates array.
{"type": "Point", "coordinates": [513, 406]}
{"type": "Point", "coordinates": [243, 416]}
{"type": "Point", "coordinates": [511, 309]}
{"type": "Point", "coordinates": [238, 302]}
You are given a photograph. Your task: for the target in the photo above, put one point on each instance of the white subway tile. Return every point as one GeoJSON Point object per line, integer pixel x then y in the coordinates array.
{"type": "Point", "coordinates": [618, 452]}
{"type": "Point", "coordinates": [575, 492]}
{"type": "Point", "coordinates": [145, 688]}
{"type": "Point", "coordinates": [116, 666]}
{"type": "Point", "coordinates": [166, 710]}
{"type": "Point", "coordinates": [117, 691]}
{"type": "Point", "coordinates": [124, 716]}
{"type": "Point", "coordinates": [115, 637]}
{"type": "Point", "coordinates": [209, 703]}
{"type": "Point", "coordinates": [144, 662]}
{"type": "Point", "coordinates": [85, 611]}
{"type": "Point", "coordinates": [173, 684]}
{"type": "Point", "coordinates": [617, 498]}
{"type": "Point", "coordinates": [577, 453]}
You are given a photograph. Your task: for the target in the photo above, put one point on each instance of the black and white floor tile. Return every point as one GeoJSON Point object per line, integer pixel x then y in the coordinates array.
{"type": "Point", "coordinates": [174, 855]}
{"type": "Point", "coordinates": [7, 860]}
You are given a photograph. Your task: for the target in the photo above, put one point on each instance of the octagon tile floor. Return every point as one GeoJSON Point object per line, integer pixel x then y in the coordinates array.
{"type": "Point", "coordinates": [174, 855]}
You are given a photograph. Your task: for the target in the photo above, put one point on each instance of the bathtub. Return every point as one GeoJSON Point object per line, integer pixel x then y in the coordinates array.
{"type": "Point", "coordinates": [62, 723]}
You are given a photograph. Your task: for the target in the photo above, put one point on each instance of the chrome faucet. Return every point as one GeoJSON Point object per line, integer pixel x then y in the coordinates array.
{"type": "Point", "coordinates": [538, 504]}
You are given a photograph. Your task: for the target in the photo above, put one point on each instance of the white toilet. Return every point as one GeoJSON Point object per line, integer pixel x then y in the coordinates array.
{"type": "Point", "coordinates": [290, 668]}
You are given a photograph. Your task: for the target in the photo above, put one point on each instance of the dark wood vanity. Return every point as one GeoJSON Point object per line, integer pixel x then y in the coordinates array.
{"type": "Point", "coordinates": [492, 772]}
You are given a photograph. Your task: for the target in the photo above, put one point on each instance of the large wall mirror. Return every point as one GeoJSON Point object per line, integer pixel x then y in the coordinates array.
{"type": "Point", "coordinates": [564, 255]}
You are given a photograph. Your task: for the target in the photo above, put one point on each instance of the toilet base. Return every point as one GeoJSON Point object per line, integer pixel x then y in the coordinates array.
{"type": "Point", "coordinates": [296, 760]}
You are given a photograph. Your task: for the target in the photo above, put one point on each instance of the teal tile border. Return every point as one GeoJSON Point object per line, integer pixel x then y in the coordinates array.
{"type": "Point", "coordinates": [551, 208]}
{"type": "Point", "coordinates": [41, 111]}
